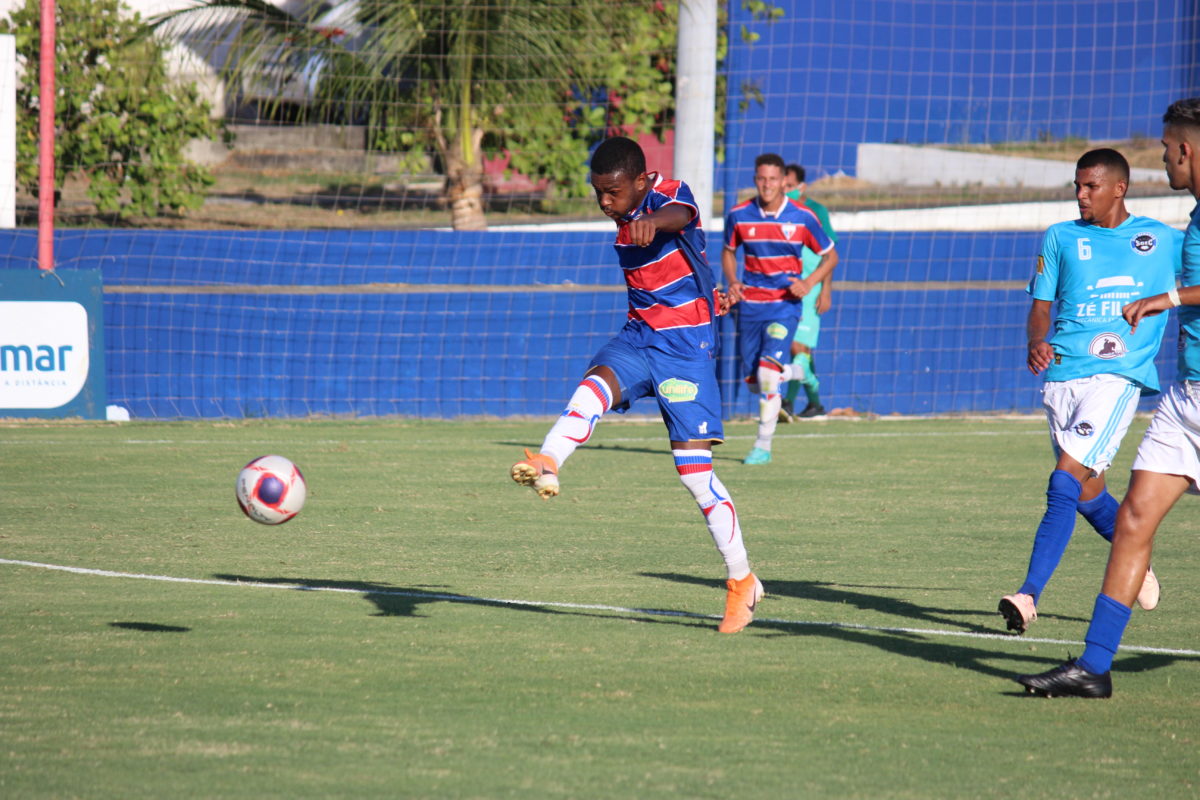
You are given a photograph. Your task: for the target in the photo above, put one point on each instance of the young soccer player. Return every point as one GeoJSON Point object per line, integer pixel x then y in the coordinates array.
{"type": "Point", "coordinates": [1096, 368]}
{"type": "Point", "coordinates": [1168, 459]}
{"type": "Point", "coordinates": [774, 232]}
{"type": "Point", "coordinates": [666, 350]}
{"type": "Point", "coordinates": [816, 303]}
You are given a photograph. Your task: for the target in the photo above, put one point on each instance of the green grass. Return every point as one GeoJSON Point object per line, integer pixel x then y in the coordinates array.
{"type": "Point", "coordinates": [409, 684]}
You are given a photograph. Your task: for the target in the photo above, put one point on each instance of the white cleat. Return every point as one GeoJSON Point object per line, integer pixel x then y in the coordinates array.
{"type": "Point", "coordinates": [1148, 595]}
{"type": "Point", "coordinates": [1018, 611]}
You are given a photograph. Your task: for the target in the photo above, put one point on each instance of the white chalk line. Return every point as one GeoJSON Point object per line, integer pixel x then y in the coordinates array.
{"type": "Point", "coordinates": [462, 598]}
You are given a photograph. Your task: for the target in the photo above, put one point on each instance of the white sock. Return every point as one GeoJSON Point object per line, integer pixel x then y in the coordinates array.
{"type": "Point", "coordinates": [769, 403]}
{"type": "Point", "coordinates": [695, 471]}
{"type": "Point", "coordinates": [592, 398]}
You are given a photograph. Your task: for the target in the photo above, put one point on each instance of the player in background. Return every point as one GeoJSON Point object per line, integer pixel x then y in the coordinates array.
{"type": "Point", "coordinates": [816, 303]}
{"type": "Point", "coordinates": [1168, 459]}
{"type": "Point", "coordinates": [774, 232]}
{"type": "Point", "coordinates": [666, 350]}
{"type": "Point", "coordinates": [1096, 367]}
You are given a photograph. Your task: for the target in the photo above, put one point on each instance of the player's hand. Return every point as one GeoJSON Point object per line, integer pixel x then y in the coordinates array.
{"type": "Point", "coordinates": [734, 293]}
{"type": "Point", "coordinates": [642, 230]}
{"type": "Point", "coordinates": [799, 287]}
{"type": "Point", "coordinates": [824, 302]}
{"type": "Point", "coordinates": [1138, 310]}
{"type": "Point", "coordinates": [723, 303]}
{"type": "Point", "coordinates": [1041, 355]}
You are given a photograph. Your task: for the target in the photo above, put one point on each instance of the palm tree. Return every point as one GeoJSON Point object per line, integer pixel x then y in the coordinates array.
{"type": "Point", "coordinates": [449, 77]}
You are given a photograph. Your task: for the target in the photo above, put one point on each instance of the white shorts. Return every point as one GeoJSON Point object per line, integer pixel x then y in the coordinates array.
{"type": "Point", "coordinates": [1088, 417]}
{"type": "Point", "coordinates": [1171, 445]}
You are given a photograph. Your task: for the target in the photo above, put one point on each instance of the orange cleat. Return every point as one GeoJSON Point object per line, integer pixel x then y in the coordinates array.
{"type": "Point", "coordinates": [539, 472]}
{"type": "Point", "coordinates": [740, 601]}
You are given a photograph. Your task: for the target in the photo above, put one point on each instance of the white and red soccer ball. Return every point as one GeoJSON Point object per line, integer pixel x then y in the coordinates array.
{"type": "Point", "coordinates": [271, 490]}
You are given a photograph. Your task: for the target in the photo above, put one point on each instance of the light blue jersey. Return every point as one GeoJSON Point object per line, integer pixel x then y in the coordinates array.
{"type": "Point", "coordinates": [1189, 316]}
{"type": "Point", "coordinates": [1090, 273]}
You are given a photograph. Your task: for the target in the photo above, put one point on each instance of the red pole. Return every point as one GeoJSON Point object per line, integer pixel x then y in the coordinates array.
{"type": "Point", "coordinates": [46, 142]}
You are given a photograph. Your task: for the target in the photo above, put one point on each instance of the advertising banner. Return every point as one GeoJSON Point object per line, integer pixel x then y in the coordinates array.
{"type": "Point", "coordinates": [51, 344]}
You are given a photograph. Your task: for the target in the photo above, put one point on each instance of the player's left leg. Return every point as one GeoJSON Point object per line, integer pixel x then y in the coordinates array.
{"type": "Point", "coordinates": [693, 419]}
{"type": "Point", "coordinates": [773, 368]}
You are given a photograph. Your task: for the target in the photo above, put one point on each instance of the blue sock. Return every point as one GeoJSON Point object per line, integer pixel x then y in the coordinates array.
{"type": "Point", "coordinates": [1101, 512]}
{"type": "Point", "coordinates": [1050, 541]}
{"type": "Point", "coordinates": [1104, 635]}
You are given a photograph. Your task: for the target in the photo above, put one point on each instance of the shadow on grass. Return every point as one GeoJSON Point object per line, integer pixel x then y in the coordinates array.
{"type": "Point", "coordinates": [149, 627]}
{"type": "Point", "coordinates": [843, 594]}
{"type": "Point", "coordinates": [391, 600]}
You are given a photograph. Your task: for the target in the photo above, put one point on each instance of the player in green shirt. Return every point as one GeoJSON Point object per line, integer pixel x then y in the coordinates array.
{"type": "Point", "coordinates": [817, 302]}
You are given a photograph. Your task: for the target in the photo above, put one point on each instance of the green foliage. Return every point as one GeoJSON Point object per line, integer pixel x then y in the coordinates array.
{"type": "Point", "coordinates": [120, 121]}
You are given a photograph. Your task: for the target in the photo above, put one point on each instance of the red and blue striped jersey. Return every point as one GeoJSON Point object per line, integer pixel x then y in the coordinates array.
{"type": "Point", "coordinates": [774, 248]}
{"type": "Point", "coordinates": [669, 307]}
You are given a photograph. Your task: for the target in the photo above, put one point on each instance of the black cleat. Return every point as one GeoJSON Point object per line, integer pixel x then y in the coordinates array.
{"type": "Point", "coordinates": [1068, 680]}
{"type": "Point", "coordinates": [785, 411]}
{"type": "Point", "coordinates": [812, 410]}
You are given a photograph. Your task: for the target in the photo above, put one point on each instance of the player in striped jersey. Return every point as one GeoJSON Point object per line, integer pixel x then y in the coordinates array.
{"type": "Point", "coordinates": [666, 350]}
{"type": "Point", "coordinates": [1096, 369]}
{"type": "Point", "coordinates": [774, 232]}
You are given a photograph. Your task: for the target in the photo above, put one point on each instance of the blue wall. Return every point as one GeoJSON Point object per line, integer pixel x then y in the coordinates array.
{"type": "Point", "coordinates": [440, 325]}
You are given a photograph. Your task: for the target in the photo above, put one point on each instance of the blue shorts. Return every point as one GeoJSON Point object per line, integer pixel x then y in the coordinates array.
{"type": "Point", "coordinates": [687, 392]}
{"type": "Point", "coordinates": [767, 340]}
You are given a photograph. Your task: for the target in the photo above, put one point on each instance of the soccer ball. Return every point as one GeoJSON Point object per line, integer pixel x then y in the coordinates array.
{"type": "Point", "coordinates": [271, 490]}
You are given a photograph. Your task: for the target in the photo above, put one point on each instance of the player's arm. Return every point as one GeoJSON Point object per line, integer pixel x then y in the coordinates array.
{"type": "Point", "coordinates": [671, 218]}
{"type": "Point", "coordinates": [729, 268]}
{"type": "Point", "coordinates": [1138, 310]}
{"type": "Point", "coordinates": [825, 299]}
{"type": "Point", "coordinates": [1037, 328]}
{"type": "Point", "coordinates": [802, 286]}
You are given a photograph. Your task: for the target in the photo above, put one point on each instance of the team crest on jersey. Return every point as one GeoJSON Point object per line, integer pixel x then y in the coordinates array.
{"type": "Point", "coordinates": [1143, 243]}
{"type": "Point", "coordinates": [777, 331]}
{"type": "Point", "coordinates": [1084, 429]}
{"type": "Point", "coordinates": [676, 390]}
{"type": "Point", "coordinates": [1107, 345]}
{"type": "Point", "coordinates": [787, 230]}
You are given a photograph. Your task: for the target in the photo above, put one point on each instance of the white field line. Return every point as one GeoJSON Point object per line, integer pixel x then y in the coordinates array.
{"type": "Point", "coordinates": [462, 598]}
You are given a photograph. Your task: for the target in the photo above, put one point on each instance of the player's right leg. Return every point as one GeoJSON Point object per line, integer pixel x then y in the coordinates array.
{"type": "Point", "coordinates": [597, 393]}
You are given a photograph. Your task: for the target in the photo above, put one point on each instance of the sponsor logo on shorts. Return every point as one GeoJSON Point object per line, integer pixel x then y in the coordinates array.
{"type": "Point", "coordinates": [1084, 429]}
{"type": "Point", "coordinates": [676, 390]}
{"type": "Point", "coordinates": [1143, 243]}
{"type": "Point", "coordinates": [703, 427]}
{"type": "Point", "coordinates": [1107, 345]}
{"type": "Point", "coordinates": [777, 331]}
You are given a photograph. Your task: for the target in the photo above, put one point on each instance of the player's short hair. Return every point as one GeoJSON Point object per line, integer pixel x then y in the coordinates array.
{"type": "Point", "coordinates": [618, 154]}
{"type": "Point", "coordinates": [1105, 157]}
{"type": "Point", "coordinates": [770, 159]}
{"type": "Point", "coordinates": [796, 170]}
{"type": "Point", "coordinates": [1184, 113]}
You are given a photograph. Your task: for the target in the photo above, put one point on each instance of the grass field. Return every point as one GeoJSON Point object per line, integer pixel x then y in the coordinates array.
{"type": "Point", "coordinates": [425, 628]}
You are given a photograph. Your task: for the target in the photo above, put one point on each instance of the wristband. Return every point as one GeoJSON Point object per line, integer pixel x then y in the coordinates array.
{"type": "Point", "coordinates": [1173, 296]}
